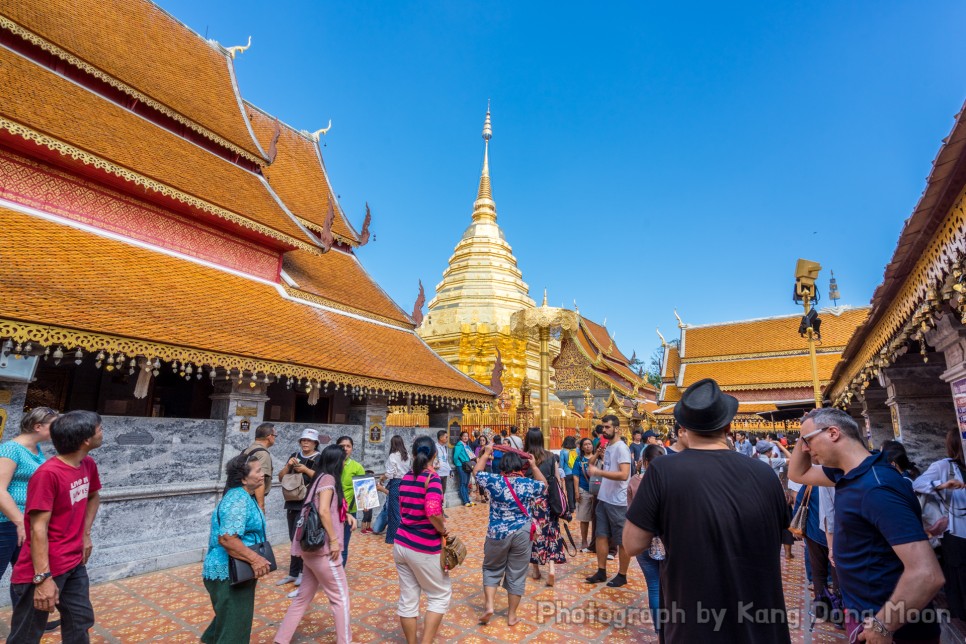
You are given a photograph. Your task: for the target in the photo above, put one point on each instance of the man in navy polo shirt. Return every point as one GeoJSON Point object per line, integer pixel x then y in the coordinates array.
{"type": "Point", "coordinates": [887, 572]}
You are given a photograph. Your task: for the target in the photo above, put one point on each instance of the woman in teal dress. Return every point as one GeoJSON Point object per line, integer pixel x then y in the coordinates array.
{"type": "Point", "coordinates": [236, 524]}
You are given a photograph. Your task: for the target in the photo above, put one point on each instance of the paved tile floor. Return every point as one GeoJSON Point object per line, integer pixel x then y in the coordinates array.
{"type": "Point", "coordinates": [172, 605]}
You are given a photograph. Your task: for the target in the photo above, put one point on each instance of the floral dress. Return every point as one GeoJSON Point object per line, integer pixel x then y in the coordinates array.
{"type": "Point", "coordinates": [547, 544]}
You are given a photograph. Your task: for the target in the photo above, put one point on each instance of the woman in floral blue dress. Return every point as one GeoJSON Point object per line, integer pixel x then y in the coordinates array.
{"type": "Point", "coordinates": [548, 545]}
{"type": "Point", "coordinates": [236, 524]}
{"type": "Point", "coordinates": [506, 550]}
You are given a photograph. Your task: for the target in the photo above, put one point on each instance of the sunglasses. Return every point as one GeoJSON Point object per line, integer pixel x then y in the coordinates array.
{"type": "Point", "coordinates": [804, 439]}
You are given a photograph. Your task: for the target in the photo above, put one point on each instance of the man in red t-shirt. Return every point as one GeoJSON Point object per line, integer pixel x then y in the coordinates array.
{"type": "Point", "coordinates": [62, 501]}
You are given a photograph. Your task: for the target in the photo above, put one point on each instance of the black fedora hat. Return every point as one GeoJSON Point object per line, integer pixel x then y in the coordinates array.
{"type": "Point", "coordinates": [704, 408]}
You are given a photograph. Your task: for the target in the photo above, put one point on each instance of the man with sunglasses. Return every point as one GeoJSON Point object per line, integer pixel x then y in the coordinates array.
{"type": "Point", "coordinates": [887, 572]}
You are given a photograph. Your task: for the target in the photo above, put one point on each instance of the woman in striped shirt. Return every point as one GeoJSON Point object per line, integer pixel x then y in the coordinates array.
{"type": "Point", "coordinates": [418, 544]}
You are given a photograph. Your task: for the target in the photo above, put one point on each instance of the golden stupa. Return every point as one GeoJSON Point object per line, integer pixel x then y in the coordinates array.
{"type": "Point", "coordinates": [468, 320]}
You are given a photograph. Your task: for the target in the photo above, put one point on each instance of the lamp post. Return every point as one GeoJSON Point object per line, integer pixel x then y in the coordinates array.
{"type": "Point", "coordinates": [541, 322]}
{"type": "Point", "coordinates": [806, 272]}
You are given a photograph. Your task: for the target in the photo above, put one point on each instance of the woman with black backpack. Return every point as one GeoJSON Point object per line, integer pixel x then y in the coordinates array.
{"type": "Point", "coordinates": [548, 545]}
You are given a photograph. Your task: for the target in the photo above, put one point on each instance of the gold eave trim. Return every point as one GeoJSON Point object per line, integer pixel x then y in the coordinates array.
{"type": "Point", "coordinates": [764, 354]}
{"type": "Point", "coordinates": [52, 336]}
{"type": "Point", "coordinates": [770, 385]}
{"type": "Point", "coordinates": [318, 299]}
{"type": "Point", "coordinates": [317, 228]}
{"type": "Point", "coordinates": [46, 45]}
{"type": "Point", "coordinates": [87, 158]}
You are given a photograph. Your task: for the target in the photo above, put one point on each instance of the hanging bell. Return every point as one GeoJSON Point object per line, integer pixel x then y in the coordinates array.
{"type": "Point", "coordinates": [58, 355]}
{"type": "Point", "coordinates": [78, 357]}
{"type": "Point", "coordinates": [46, 353]}
{"type": "Point", "coordinates": [29, 347]}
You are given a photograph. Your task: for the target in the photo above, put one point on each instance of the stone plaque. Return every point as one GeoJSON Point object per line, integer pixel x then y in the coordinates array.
{"type": "Point", "coordinates": [959, 402]}
{"type": "Point", "coordinates": [136, 437]}
{"type": "Point", "coordinates": [5, 396]}
{"type": "Point", "coordinates": [246, 411]}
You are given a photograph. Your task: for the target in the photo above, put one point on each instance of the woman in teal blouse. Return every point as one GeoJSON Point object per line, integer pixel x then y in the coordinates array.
{"type": "Point", "coordinates": [19, 459]}
{"type": "Point", "coordinates": [236, 524]}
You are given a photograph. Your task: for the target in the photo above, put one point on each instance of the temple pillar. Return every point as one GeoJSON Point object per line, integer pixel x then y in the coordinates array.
{"type": "Point", "coordinates": [13, 397]}
{"type": "Point", "coordinates": [949, 339]}
{"type": "Point", "coordinates": [242, 407]}
{"type": "Point", "coordinates": [371, 413]}
{"type": "Point", "coordinates": [921, 407]}
{"type": "Point", "coordinates": [876, 416]}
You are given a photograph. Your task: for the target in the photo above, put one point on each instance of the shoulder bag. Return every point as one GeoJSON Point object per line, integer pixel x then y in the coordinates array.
{"type": "Point", "coordinates": [797, 526]}
{"type": "Point", "coordinates": [240, 571]}
{"type": "Point", "coordinates": [293, 483]}
{"type": "Point", "coordinates": [309, 530]}
{"type": "Point", "coordinates": [452, 550]}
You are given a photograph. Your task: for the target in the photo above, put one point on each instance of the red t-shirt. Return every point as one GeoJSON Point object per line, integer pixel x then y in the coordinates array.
{"type": "Point", "coordinates": [62, 490]}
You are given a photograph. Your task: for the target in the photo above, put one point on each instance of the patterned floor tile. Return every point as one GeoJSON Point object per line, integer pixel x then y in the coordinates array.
{"type": "Point", "coordinates": [172, 605]}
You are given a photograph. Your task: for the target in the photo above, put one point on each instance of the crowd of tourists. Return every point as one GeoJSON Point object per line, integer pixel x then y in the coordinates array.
{"type": "Point", "coordinates": [882, 538]}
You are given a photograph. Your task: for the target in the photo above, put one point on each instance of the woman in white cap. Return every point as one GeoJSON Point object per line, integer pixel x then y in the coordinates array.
{"type": "Point", "coordinates": [304, 462]}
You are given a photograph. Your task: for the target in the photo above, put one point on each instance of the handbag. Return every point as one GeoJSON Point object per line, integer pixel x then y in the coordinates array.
{"type": "Point", "coordinates": [240, 571]}
{"type": "Point", "coordinates": [797, 526]}
{"type": "Point", "coordinates": [533, 524]}
{"type": "Point", "coordinates": [293, 484]}
{"type": "Point", "coordinates": [452, 550]}
{"type": "Point", "coordinates": [452, 553]}
{"type": "Point", "coordinates": [309, 531]}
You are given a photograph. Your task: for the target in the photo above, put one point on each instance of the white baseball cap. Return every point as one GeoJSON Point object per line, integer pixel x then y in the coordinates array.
{"type": "Point", "coordinates": [310, 434]}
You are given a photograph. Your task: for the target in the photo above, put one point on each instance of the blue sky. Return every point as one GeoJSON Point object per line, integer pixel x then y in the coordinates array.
{"type": "Point", "coordinates": [645, 156]}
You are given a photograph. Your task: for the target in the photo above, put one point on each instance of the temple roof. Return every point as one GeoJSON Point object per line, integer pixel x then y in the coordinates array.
{"type": "Point", "coordinates": [606, 360]}
{"type": "Point", "coordinates": [598, 334]}
{"type": "Point", "coordinates": [338, 276]}
{"type": "Point", "coordinates": [757, 355]}
{"type": "Point", "coordinates": [768, 335]}
{"type": "Point", "coordinates": [97, 289]}
{"type": "Point", "coordinates": [298, 175]}
{"type": "Point", "coordinates": [144, 52]}
{"type": "Point", "coordinates": [48, 109]}
{"type": "Point", "coordinates": [761, 373]}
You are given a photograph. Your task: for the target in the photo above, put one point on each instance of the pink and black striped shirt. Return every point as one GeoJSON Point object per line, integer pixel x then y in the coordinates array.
{"type": "Point", "coordinates": [418, 502]}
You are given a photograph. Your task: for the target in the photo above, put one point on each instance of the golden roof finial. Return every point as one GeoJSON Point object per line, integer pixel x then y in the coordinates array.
{"type": "Point", "coordinates": [544, 297]}
{"type": "Point", "coordinates": [681, 323]}
{"type": "Point", "coordinates": [238, 49]}
{"type": "Point", "coordinates": [484, 192]}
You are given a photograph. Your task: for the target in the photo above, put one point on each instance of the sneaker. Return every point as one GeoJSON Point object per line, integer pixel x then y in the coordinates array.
{"type": "Point", "coordinates": [618, 581]}
{"type": "Point", "coordinates": [610, 557]}
{"type": "Point", "coordinates": [467, 505]}
{"type": "Point", "coordinates": [52, 625]}
{"type": "Point", "coordinates": [287, 579]}
{"type": "Point", "coordinates": [585, 549]}
{"type": "Point", "coordinates": [293, 594]}
{"type": "Point", "coordinates": [596, 578]}
{"type": "Point", "coordinates": [298, 581]}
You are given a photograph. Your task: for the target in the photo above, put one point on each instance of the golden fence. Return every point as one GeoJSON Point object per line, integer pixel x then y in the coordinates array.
{"type": "Point", "coordinates": [402, 416]}
{"type": "Point", "coordinates": [495, 422]}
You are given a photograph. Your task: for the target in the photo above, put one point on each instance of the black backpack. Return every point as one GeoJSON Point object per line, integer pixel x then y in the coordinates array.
{"type": "Point", "coordinates": [557, 498]}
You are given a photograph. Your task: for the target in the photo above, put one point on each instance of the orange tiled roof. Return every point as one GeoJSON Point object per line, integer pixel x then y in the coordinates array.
{"type": "Point", "coordinates": [671, 393]}
{"type": "Point", "coordinates": [297, 175]}
{"type": "Point", "coordinates": [46, 102]}
{"type": "Point", "coordinates": [340, 277]}
{"type": "Point", "coordinates": [91, 283]}
{"type": "Point", "coordinates": [761, 372]}
{"type": "Point", "coordinates": [137, 43]}
{"type": "Point", "coordinates": [768, 335]}
{"type": "Point", "coordinates": [754, 408]}
{"type": "Point", "coordinates": [600, 337]}
{"type": "Point", "coordinates": [672, 365]}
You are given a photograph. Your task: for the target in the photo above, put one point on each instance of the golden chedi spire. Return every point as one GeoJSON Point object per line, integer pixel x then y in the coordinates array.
{"type": "Point", "coordinates": [484, 208]}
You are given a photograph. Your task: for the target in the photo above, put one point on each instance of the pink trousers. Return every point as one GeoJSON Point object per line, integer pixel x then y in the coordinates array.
{"type": "Point", "coordinates": [319, 570]}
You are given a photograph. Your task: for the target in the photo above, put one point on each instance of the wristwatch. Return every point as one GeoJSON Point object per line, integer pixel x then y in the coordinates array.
{"type": "Point", "coordinates": [40, 577]}
{"type": "Point", "coordinates": [878, 627]}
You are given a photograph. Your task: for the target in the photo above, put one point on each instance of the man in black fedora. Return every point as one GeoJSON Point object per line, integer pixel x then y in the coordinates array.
{"type": "Point", "coordinates": [720, 516]}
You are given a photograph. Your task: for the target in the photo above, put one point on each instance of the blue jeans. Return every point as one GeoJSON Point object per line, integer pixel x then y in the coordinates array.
{"type": "Point", "coordinates": [464, 486]}
{"type": "Point", "coordinates": [652, 575]}
{"type": "Point", "coordinates": [9, 550]}
{"type": "Point", "coordinates": [346, 533]}
{"type": "Point", "coordinates": [382, 519]}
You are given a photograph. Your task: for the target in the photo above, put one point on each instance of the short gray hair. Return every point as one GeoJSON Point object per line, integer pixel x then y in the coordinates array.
{"type": "Point", "coordinates": [832, 417]}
